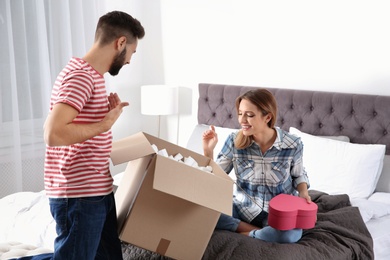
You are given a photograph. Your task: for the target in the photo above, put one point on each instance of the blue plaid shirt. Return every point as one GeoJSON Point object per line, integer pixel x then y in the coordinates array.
{"type": "Point", "coordinates": [260, 177]}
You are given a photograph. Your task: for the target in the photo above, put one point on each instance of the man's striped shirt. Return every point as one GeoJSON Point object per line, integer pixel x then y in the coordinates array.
{"type": "Point", "coordinates": [82, 169]}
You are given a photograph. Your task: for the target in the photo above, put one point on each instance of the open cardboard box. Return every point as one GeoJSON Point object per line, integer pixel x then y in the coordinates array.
{"type": "Point", "coordinates": [164, 205]}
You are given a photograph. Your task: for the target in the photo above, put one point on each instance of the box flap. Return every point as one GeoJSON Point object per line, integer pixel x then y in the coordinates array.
{"type": "Point", "coordinates": [130, 148]}
{"type": "Point", "coordinates": [129, 186]}
{"type": "Point", "coordinates": [219, 172]}
{"type": "Point", "coordinates": [193, 184]}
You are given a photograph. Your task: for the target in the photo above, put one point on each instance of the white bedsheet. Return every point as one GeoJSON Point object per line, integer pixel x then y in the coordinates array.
{"type": "Point", "coordinates": [25, 217]}
{"type": "Point", "coordinates": [11, 250]}
{"type": "Point", "coordinates": [380, 231]}
{"type": "Point", "coordinates": [375, 212]}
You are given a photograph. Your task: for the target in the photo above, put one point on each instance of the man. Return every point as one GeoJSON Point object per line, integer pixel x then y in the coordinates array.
{"type": "Point", "coordinates": [78, 137]}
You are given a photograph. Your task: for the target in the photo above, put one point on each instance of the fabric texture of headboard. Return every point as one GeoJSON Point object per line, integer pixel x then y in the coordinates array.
{"type": "Point", "coordinates": [365, 119]}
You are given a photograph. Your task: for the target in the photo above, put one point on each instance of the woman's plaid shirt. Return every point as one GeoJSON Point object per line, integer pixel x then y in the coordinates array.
{"type": "Point", "coordinates": [260, 177]}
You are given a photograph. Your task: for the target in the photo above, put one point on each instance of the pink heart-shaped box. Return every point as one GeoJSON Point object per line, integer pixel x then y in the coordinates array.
{"type": "Point", "coordinates": [288, 212]}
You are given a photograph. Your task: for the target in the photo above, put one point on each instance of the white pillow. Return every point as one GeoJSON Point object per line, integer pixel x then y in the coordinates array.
{"type": "Point", "coordinates": [337, 167]}
{"type": "Point", "coordinates": [371, 209]}
{"type": "Point", "coordinates": [195, 141]}
{"type": "Point", "coordinates": [382, 197]}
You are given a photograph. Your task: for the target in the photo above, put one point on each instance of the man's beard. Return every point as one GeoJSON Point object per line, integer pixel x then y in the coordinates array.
{"type": "Point", "coordinates": [118, 63]}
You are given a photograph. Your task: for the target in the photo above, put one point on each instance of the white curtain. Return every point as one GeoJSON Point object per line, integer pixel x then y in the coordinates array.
{"type": "Point", "coordinates": [37, 38]}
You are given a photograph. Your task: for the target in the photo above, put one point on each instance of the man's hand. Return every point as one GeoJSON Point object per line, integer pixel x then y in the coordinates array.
{"type": "Point", "coordinates": [115, 107]}
{"type": "Point", "coordinates": [114, 101]}
{"type": "Point", "coordinates": [59, 129]}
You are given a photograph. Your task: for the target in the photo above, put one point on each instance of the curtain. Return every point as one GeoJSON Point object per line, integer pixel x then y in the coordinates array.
{"type": "Point", "coordinates": [37, 39]}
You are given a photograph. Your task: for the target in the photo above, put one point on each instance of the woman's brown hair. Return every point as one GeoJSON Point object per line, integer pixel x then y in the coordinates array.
{"type": "Point", "coordinates": [265, 102]}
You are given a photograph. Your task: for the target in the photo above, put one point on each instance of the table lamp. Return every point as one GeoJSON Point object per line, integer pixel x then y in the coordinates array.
{"type": "Point", "coordinates": [159, 100]}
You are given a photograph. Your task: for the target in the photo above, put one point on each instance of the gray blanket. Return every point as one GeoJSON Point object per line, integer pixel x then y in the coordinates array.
{"type": "Point", "coordinates": [340, 233]}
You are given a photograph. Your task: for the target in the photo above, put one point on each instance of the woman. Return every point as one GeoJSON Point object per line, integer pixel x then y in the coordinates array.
{"type": "Point", "coordinates": [267, 161]}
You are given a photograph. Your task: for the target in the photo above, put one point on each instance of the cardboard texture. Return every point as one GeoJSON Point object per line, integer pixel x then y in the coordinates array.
{"type": "Point", "coordinates": [166, 206]}
{"type": "Point", "coordinates": [288, 212]}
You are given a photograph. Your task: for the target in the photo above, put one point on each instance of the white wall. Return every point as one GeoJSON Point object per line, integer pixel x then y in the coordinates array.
{"type": "Point", "coordinates": [333, 45]}
{"type": "Point", "coordinates": [146, 67]}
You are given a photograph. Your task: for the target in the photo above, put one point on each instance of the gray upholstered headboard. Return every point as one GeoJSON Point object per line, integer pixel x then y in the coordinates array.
{"type": "Point", "coordinates": [364, 119]}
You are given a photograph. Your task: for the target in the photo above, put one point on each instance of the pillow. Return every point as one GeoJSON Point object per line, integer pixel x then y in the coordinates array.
{"type": "Point", "coordinates": [371, 209]}
{"type": "Point", "coordinates": [337, 167]}
{"type": "Point", "coordinates": [195, 141]}
{"type": "Point", "coordinates": [382, 197]}
{"type": "Point", "coordinates": [384, 179]}
{"type": "Point", "coordinates": [336, 137]}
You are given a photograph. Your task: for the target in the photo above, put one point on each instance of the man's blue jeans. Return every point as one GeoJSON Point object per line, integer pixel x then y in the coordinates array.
{"type": "Point", "coordinates": [86, 228]}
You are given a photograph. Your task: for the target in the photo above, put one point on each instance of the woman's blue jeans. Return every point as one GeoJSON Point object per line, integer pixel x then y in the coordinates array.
{"type": "Point", "coordinates": [266, 233]}
{"type": "Point", "coordinates": [86, 228]}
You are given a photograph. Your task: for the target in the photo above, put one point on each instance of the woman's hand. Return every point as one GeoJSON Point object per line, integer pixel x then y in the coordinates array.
{"type": "Point", "coordinates": [306, 196]}
{"type": "Point", "coordinates": [209, 140]}
{"type": "Point", "coordinates": [303, 192]}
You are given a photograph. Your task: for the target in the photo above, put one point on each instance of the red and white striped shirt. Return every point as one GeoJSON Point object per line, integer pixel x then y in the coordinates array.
{"type": "Point", "coordinates": [82, 169]}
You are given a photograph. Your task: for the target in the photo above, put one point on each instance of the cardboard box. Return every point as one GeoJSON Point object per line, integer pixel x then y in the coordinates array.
{"type": "Point", "coordinates": [288, 212]}
{"type": "Point", "coordinates": [164, 205]}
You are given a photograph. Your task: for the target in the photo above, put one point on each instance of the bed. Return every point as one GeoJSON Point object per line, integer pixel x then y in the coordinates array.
{"type": "Point", "coordinates": [344, 135]}
{"type": "Point", "coordinates": [345, 139]}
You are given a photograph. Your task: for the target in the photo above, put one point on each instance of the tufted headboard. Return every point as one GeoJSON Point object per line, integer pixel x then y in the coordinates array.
{"type": "Point", "coordinates": [364, 119]}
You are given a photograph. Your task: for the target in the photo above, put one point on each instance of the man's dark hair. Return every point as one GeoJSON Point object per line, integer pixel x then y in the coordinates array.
{"type": "Point", "coordinates": [116, 24]}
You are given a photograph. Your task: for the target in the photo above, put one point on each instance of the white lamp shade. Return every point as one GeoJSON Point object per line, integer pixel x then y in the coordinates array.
{"type": "Point", "coordinates": [159, 100]}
